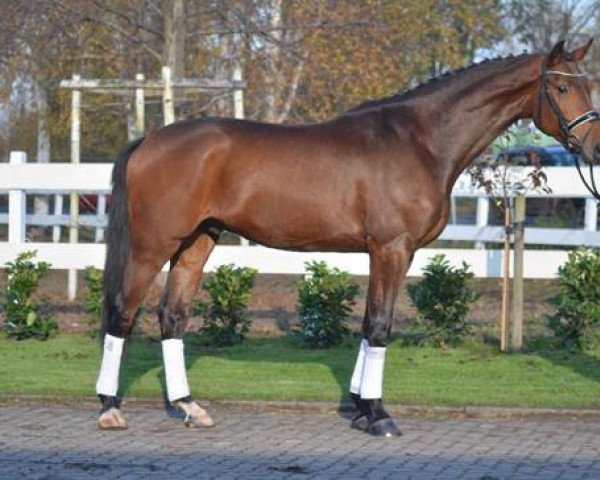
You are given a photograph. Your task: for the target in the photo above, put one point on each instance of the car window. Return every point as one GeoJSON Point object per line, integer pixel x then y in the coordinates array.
{"type": "Point", "coordinates": [548, 156]}
{"type": "Point", "coordinates": [562, 158]}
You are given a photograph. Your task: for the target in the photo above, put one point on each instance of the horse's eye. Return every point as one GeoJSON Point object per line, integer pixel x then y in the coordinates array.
{"type": "Point", "coordinates": [562, 88]}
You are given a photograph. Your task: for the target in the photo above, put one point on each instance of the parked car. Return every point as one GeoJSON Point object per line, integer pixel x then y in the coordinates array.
{"type": "Point", "coordinates": [551, 156]}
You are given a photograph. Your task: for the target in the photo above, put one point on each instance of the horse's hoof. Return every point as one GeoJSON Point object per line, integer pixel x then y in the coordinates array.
{"type": "Point", "coordinates": [384, 427]}
{"type": "Point", "coordinates": [112, 419]}
{"type": "Point", "coordinates": [195, 416]}
{"type": "Point", "coordinates": [360, 422]}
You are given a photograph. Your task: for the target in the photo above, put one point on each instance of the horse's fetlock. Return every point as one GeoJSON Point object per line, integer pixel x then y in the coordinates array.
{"type": "Point", "coordinates": [379, 335]}
{"type": "Point", "coordinates": [173, 322]}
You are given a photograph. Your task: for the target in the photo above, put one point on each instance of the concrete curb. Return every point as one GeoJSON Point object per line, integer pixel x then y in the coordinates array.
{"type": "Point", "coordinates": [260, 406]}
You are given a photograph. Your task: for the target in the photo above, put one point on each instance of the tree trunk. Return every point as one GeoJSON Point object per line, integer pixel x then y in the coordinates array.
{"type": "Point", "coordinates": [273, 61]}
{"type": "Point", "coordinates": [175, 33]}
{"type": "Point", "coordinates": [223, 70]}
{"type": "Point", "coordinates": [41, 202]}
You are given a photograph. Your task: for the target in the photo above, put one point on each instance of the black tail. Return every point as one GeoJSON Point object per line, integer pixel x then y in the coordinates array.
{"type": "Point", "coordinates": [117, 245]}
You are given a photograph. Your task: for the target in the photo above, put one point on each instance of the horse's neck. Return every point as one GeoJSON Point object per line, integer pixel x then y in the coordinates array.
{"type": "Point", "coordinates": [477, 109]}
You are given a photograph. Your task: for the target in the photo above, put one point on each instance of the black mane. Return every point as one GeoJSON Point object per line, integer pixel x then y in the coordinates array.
{"type": "Point", "coordinates": [436, 82]}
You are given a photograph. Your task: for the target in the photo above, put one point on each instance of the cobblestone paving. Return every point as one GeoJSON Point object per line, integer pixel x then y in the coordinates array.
{"type": "Point", "coordinates": [64, 443]}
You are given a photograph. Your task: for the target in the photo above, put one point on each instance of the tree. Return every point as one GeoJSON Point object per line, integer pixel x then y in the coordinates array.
{"type": "Point", "coordinates": [302, 61]}
{"type": "Point", "coordinates": [539, 24]}
{"type": "Point", "coordinates": [366, 50]}
{"type": "Point", "coordinates": [504, 183]}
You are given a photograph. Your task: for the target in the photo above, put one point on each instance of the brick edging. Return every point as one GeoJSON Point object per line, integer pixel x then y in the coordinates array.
{"type": "Point", "coordinates": [313, 407]}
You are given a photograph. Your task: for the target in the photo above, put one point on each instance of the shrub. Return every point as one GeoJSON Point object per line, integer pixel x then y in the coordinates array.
{"type": "Point", "coordinates": [225, 318]}
{"type": "Point", "coordinates": [443, 298]}
{"type": "Point", "coordinates": [92, 300]}
{"type": "Point", "coordinates": [325, 300]}
{"type": "Point", "coordinates": [24, 316]}
{"type": "Point", "coordinates": [576, 323]}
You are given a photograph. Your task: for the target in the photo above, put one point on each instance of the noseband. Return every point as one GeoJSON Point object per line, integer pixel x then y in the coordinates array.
{"type": "Point", "coordinates": [572, 142]}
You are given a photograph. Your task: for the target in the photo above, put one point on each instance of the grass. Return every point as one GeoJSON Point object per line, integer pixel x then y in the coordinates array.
{"type": "Point", "coordinates": [277, 369]}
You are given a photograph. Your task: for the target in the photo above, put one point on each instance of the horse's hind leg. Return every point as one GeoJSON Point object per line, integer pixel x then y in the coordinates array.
{"type": "Point", "coordinates": [121, 317]}
{"type": "Point", "coordinates": [186, 272]}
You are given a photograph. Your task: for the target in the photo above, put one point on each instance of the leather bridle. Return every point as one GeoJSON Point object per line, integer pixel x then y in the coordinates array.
{"type": "Point", "coordinates": [571, 140]}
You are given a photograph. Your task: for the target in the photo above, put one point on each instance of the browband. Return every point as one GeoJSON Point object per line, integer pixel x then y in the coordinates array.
{"type": "Point", "coordinates": [564, 74]}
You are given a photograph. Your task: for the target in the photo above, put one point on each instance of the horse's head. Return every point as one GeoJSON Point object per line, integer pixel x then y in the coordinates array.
{"type": "Point", "coordinates": [563, 107]}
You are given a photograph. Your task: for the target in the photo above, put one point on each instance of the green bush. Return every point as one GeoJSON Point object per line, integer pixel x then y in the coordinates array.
{"type": "Point", "coordinates": [325, 300]}
{"type": "Point", "coordinates": [576, 323]}
{"type": "Point", "coordinates": [225, 318]}
{"type": "Point", "coordinates": [443, 298]}
{"type": "Point", "coordinates": [25, 316]}
{"type": "Point", "coordinates": [92, 299]}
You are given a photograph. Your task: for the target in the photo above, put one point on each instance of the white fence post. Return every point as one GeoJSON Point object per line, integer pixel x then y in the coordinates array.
{"type": "Point", "coordinates": [453, 216]}
{"type": "Point", "coordinates": [100, 211]}
{"type": "Point", "coordinates": [591, 215]}
{"type": "Point", "coordinates": [16, 205]}
{"type": "Point", "coordinates": [58, 208]}
{"type": "Point", "coordinates": [483, 212]}
{"type": "Point", "coordinates": [140, 104]}
{"type": "Point", "coordinates": [168, 106]}
{"type": "Point", "coordinates": [238, 94]}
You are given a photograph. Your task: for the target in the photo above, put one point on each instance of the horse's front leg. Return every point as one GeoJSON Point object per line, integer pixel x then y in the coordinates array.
{"type": "Point", "coordinates": [388, 266]}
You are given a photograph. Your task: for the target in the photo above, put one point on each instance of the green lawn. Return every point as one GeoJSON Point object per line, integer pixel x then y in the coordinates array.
{"type": "Point", "coordinates": [277, 369]}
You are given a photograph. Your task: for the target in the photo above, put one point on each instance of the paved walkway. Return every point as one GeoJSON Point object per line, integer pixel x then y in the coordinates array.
{"type": "Point", "coordinates": [64, 443]}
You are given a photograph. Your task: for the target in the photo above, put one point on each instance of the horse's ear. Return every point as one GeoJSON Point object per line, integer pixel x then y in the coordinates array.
{"type": "Point", "coordinates": [580, 52]}
{"type": "Point", "coordinates": [556, 54]}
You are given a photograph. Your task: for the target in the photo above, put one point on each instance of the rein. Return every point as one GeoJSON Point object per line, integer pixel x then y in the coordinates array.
{"type": "Point", "coordinates": [591, 188]}
{"type": "Point", "coordinates": [571, 140]}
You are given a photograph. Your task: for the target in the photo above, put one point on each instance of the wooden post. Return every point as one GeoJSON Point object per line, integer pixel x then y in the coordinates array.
{"type": "Point", "coordinates": [16, 205]}
{"type": "Point", "coordinates": [516, 338]}
{"type": "Point", "coordinates": [140, 106]}
{"type": "Point", "coordinates": [168, 107]}
{"type": "Point", "coordinates": [74, 197]}
{"type": "Point", "coordinates": [505, 275]}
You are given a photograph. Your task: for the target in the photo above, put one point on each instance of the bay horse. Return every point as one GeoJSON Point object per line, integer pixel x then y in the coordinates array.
{"type": "Point", "coordinates": [376, 179]}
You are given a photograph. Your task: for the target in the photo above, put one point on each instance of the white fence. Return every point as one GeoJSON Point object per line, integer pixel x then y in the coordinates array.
{"type": "Point", "coordinates": [19, 178]}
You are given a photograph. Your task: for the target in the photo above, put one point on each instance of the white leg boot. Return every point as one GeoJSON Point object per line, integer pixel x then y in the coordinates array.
{"type": "Point", "coordinates": [178, 390]}
{"type": "Point", "coordinates": [107, 385]}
